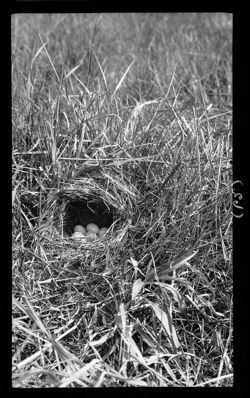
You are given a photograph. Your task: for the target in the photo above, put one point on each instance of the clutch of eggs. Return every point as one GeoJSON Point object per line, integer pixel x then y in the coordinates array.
{"type": "Point", "coordinates": [91, 232]}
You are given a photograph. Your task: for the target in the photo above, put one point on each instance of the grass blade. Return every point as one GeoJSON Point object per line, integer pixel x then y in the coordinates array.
{"type": "Point", "coordinates": [137, 287]}
{"type": "Point", "coordinates": [166, 321]}
{"type": "Point", "coordinates": [123, 77]}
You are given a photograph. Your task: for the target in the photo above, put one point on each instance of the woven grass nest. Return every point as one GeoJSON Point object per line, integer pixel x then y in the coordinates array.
{"type": "Point", "coordinates": [103, 197]}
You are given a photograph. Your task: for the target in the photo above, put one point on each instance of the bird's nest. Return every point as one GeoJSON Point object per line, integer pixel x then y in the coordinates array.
{"type": "Point", "coordinates": [105, 198]}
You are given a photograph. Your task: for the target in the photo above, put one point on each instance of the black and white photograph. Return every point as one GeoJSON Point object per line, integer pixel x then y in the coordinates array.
{"type": "Point", "coordinates": [122, 200]}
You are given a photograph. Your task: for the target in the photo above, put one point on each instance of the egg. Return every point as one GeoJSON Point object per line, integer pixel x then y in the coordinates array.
{"type": "Point", "coordinates": [91, 235]}
{"type": "Point", "coordinates": [102, 231]}
{"type": "Point", "coordinates": [77, 236]}
{"type": "Point", "coordinates": [80, 228]}
{"type": "Point", "coordinates": [92, 228]}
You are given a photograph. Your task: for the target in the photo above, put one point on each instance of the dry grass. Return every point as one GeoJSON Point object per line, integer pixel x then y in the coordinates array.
{"type": "Point", "coordinates": [117, 141]}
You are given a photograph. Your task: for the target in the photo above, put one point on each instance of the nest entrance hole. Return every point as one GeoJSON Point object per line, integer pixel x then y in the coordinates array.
{"type": "Point", "coordinates": [83, 212]}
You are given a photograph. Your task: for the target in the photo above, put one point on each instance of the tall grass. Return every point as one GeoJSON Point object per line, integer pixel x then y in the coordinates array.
{"type": "Point", "coordinates": [148, 96]}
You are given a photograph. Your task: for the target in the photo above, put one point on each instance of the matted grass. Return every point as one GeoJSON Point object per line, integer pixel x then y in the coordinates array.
{"type": "Point", "coordinates": [124, 120]}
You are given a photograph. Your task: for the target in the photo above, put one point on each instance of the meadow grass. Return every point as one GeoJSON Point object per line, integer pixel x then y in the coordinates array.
{"type": "Point", "coordinates": [145, 102]}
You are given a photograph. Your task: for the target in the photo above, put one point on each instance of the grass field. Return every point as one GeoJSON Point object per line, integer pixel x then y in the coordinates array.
{"type": "Point", "coordinates": [130, 114]}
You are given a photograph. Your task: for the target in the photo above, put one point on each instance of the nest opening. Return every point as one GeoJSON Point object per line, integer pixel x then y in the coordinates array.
{"type": "Point", "coordinates": [83, 212]}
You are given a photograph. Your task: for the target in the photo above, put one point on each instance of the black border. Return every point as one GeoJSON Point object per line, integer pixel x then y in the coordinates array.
{"type": "Point", "coordinates": [115, 6]}
{"type": "Point", "coordinates": [240, 173]}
